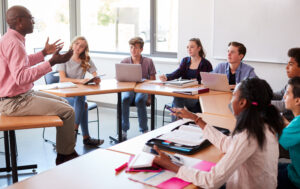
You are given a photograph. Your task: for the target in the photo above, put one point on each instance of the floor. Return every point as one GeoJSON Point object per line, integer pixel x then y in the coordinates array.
{"type": "Point", "coordinates": [33, 150]}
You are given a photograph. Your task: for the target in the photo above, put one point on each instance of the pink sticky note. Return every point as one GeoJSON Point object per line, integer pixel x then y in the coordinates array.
{"type": "Point", "coordinates": [204, 166]}
{"type": "Point", "coordinates": [173, 183]}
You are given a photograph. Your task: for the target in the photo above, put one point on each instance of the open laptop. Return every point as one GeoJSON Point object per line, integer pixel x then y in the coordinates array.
{"type": "Point", "coordinates": [216, 81]}
{"type": "Point", "coordinates": [129, 72]}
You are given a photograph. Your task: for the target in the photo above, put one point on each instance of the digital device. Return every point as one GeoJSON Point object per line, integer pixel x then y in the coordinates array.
{"type": "Point", "coordinates": [92, 79]}
{"type": "Point", "coordinates": [129, 72]}
{"type": "Point", "coordinates": [169, 108]}
{"type": "Point", "coordinates": [215, 81]}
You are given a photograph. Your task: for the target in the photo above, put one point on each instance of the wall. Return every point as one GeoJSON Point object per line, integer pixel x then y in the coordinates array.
{"type": "Point", "coordinates": [195, 20]}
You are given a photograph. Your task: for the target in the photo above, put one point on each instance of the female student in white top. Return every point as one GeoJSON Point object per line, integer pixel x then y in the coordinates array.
{"type": "Point", "coordinates": [74, 71]}
{"type": "Point", "coordinates": [251, 152]}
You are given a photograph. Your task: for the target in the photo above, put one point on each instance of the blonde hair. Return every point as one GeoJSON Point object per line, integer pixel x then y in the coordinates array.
{"type": "Point", "coordinates": [84, 56]}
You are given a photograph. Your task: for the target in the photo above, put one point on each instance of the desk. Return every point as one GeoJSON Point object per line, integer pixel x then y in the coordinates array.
{"type": "Point", "coordinates": [9, 125]}
{"type": "Point", "coordinates": [96, 169]}
{"type": "Point", "coordinates": [161, 89]}
{"type": "Point", "coordinates": [216, 104]}
{"type": "Point", "coordinates": [93, 170]}
{"type": "Point", "coordinates": [211, 153]}
{"type": "Point", "coordinates": [106, 86]}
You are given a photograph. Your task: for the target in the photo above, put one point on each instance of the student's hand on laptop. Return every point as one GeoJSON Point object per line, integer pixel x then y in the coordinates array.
{"type": "Point", "coordinates": [163, 77]}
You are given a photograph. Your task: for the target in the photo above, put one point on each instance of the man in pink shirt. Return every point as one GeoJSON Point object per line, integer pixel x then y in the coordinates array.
{"type": "Point", "coordinates": [18, 71]}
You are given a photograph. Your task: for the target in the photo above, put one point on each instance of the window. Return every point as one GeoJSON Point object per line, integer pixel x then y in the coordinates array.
{"type": "Point", "coordinates": [166, 26]}
{"type": "Point", "coordinates": [107, 24]}
{"type": "Point", "coordinates": [51, 20]}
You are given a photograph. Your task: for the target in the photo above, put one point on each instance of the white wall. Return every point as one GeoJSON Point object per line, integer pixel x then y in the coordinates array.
{"type": "Point", "coordinates": [195, 20]}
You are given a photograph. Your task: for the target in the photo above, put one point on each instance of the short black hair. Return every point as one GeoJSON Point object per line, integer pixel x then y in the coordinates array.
{"type": "Point", "coordinates": [295, 53]}
{"type": "Point", "coordinates": [295, 84]}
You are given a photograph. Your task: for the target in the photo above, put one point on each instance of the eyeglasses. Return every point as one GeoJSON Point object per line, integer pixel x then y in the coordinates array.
{"type": "Point", "coordinates": [28, 17]}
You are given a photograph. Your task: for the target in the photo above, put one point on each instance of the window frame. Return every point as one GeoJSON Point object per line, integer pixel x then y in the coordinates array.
{"type": "Point", "coordinates": [75, 27]}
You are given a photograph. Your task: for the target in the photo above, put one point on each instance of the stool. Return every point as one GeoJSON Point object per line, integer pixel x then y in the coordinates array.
{"type": "Point", "coordinates": [9, 124]}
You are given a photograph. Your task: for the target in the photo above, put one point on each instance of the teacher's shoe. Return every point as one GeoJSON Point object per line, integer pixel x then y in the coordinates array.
{"type": "Point", "coordinates": [64, 158]}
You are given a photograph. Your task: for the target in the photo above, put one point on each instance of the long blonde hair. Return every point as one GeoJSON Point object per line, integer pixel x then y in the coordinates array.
{"type": "Point", "coordinates": [84, 56]}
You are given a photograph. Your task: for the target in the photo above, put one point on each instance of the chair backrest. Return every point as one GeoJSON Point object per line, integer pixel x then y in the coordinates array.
{"type": "Point", "coordinates": [51, 77]}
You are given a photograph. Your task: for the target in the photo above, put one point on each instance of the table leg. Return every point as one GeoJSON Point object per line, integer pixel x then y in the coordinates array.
{"type": "Point", "coordinates": [152, 112]}
{"type": "Point", "coordinates": [6, 146]}
{"type": "Point", "coordinates": [119, 112]}
{"type": "Point", "coordinates": [12, 139]}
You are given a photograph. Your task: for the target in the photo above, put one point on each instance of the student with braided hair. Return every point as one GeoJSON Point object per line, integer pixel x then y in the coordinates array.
{"type": "Point", "coordinates": [251, 152]}
{"type": "Point", "coordinates": [74, 71]}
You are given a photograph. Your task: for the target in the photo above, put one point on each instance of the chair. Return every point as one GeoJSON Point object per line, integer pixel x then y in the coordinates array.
{"type": "Point", "coordinates": [53, 77]}
{"type": "Point", "coordinates": [115, 140]}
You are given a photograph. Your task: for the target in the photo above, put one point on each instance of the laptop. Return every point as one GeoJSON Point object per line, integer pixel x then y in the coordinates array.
{"type": "Point", "coordinates": [129, 72]}
{"type": "Point", "coordinates": [216, 81]}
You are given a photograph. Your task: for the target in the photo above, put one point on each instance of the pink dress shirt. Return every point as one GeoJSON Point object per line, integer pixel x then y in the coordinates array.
{"type": "Point", "coordinates": [17, 70]}
{"type": "Point", "coordinates": [244, 165]}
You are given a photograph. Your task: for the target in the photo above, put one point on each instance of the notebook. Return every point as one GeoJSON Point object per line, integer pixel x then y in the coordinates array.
{"type": "Point", "coordinates": [166, 179]}
{"type": "Point", "coordinates": [129, 72]}
{"type": "Point", "coordinates": [181, 83]}
{"type": "Point", "coordinates": [192, 91]}
{"type": "Point", "coordinates": [215, 81]}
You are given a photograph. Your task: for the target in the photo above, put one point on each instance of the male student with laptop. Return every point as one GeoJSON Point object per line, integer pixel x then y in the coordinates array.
{"type": "Point", "coordinates": [140, 99]}
{"type": "Point", "coordinates": [235, 69]}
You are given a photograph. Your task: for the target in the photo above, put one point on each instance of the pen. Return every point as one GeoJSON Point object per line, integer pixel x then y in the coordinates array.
{"type": "Point", "coordinates": [121, 167]}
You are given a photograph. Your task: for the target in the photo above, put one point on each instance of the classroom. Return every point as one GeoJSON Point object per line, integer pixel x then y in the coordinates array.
{"type": "Point", "coordinates": [63, 121]}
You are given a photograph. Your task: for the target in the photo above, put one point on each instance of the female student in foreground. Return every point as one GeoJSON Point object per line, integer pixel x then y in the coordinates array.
{"type": "Point", "coordinates": [74, 71]}
{"type": "Point", "coordinates": [190, 68]}
{"type": "Point", "coordinates": [250, 153]}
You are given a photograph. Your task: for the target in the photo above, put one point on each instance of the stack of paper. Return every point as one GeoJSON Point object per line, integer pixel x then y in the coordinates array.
{"type": "Point", "coordinates": [55, 86]}
{"type": "Point", "coordinates": [181, 83]}
{"type": "Point", "coordinates": [185, 135]}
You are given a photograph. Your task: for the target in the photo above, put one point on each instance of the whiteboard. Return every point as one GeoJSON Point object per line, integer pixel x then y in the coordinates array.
{"type": "Point", "coordinates": [268, 28]}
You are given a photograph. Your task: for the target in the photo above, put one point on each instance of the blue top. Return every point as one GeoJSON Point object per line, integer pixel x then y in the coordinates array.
{"type": "Point", "coordinates": [290, 140]}
{"type": "Point", "coordinates": [244, 71]}
{"type": "Point", "coordinates": [184, 70]}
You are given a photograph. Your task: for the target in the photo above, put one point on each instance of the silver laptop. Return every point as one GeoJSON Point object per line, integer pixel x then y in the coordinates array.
{"type": "Point", "coordinates": [129, 72]}
{"type": "Point", "coordinates": [215, 81]}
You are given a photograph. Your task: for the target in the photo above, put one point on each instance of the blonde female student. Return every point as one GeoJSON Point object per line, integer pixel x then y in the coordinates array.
{"type": "Point", "coordinates": [74, 71]}
{"type": "Point", "coordinates": [251, 152]}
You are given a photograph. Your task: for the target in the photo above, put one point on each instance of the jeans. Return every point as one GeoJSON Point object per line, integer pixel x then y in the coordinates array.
{"type": "Point", "coordinates": [192, 105]}
{"type": "Point", "coordinates": [283, 179]}
{"type": "Point", "coordinates": [140, 100]}
{"type": "Point", "coordinates": [81, 113]}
